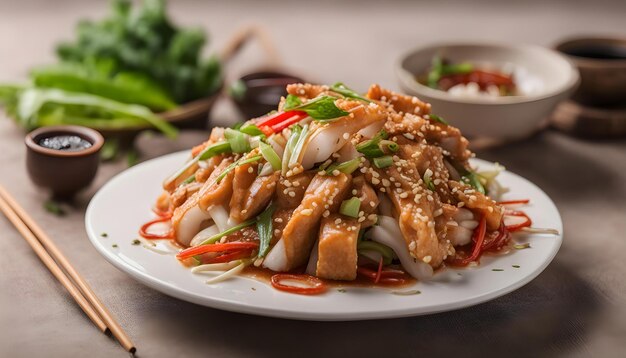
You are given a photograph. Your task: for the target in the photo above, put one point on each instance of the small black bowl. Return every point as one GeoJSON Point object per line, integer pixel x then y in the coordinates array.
{"type": "Point", "coordinates": [259, 93]}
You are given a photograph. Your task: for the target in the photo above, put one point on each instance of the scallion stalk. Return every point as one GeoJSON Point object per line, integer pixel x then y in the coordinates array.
{"type": "Point", "coordinates": [383, 162]}
{"type": "Point", "coordinates": [234, 165]}
{"type": "Point", "coordinates": [291, 143]}
{"type": "Point", "coordinates": [350, 207]}
{"type": "Point", "coordinates": [270, 155]}
{"type": "Point", "coordinates": [384, 250]}
{"type": "Point", "coordinates": [370, 148]}
{"type": "Point", "coordinates": [213, 239]}
{"type": "Point", "coordinates": [251, 129]}
{"type": "Point", "coordinates": [347, 167]}
{"type": "Point", "coordinates": [295, 154]}
{"type": "Point", "coordinates": [238, 141]}
{"type": "Point", "coordinates": [264, 229]}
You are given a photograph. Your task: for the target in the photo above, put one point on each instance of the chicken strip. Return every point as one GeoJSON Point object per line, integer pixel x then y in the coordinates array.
{"type": "Point", "coordinates": [337, 253]}
{"type": "Point", "coordinates": [324, 194]}
{"type": "Point", "coordinates": [478, 202]}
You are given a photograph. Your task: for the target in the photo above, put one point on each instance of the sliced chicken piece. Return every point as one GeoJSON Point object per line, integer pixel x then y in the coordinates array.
{"type": "Point", "coordinates": [182, 193]}
{"type": "Point", "coordinates": [324, 193]}
{"type": "Point", "coordinates": [290, 191]}
{"type": "Point", "coordinates": [251, 201]}
{"type": "Point", "coordinates": [214, 193]}
{"type": "Point", "coordinates": [337, 254]}
{"type": "Point", "coordinates": [369, 201]}
{"type": "Point", "coordinates": [419, 129]}
{"type": "Point", "coordinates": [305, 91]}
{"type": "Point", "coordinates": [400, 102]}
{"type": "Point", "coordinates": [478, 202]}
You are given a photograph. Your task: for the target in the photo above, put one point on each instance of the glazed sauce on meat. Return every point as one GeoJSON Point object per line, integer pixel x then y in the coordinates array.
{"type": "Point", "coordinates": [68, 143]}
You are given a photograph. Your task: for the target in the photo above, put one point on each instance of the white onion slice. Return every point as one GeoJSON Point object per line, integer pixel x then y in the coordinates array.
{"type": "Point", "coordinates": [190, 224]}
{"type": "Point", "coordinates": [208, 268]}
{"type": "Point", "coordinates": [228, 274]}
{"type": "Point", "coordinates": [276, 259]}
{"type": "Point", "coordinates": [204, 234]}
{"type": "Point", "coordinates": [387, 232]}
{"type": "Point", "coordinates": [220, 217]}
{"type": "Point", "coordinates": [371, 130]}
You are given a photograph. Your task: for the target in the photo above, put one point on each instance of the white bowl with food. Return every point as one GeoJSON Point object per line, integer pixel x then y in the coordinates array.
{"type": "Point", "coordinates": [489, 91]}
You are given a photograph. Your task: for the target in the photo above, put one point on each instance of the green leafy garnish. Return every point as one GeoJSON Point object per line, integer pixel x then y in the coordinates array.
{"type": "Point", "coordinates": [322, 108]}
{"type": "Point", "coordinates": [437, 118]}
{"type": "Point", "coordinates": [347, 92]}
{"type": "Point", "coordinates": [516, 266]}
{"type": "Point", "coordinates": [497, 270]}
{"type": "Point", "coordinates": [53, 207]}
{"type": "Point", "coordinates": [264, 229]}
{"type": "Point", "coordinates": [428, 180]}
{"type": "Point", "coordinates": [191, 179]}
{"type": "Point", "coordinates": [439, 69]}
{"type": "Point", "coordinates": [104, 234]}
{"type": "Point", "coordinates": [291, 102]}
{"type": "Point", "coordinates": [521, 246]}
{"type": "Point", "coordinates": [135, 242]}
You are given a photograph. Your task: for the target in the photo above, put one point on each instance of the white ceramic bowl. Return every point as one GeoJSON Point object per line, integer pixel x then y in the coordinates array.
{"type": "Point", "coordinates": [494, 118]}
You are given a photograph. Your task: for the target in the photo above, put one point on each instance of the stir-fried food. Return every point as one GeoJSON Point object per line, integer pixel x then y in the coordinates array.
{"type": "Point", "coordinates": [337, 185]}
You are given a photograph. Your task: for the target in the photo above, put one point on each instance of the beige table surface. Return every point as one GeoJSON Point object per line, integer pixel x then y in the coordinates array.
{"type": "Point", "coordinates": [577, 307]}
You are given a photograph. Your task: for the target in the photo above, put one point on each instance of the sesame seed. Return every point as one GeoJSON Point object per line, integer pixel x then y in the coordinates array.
{"type": "Point", "coordinates": [404, 195]}
{"type": "Point", "coordinates": [307, 212]}
{"type": "Point", "coordinates": [326, 213]}
{"type": "Point", "coordinates": [292, 194]}
{"type": "Point", "coordinates": [346, 136]}
{"type": "Point", "coordinates": [427, 259]}
{"type": "Point", "coordinates": [337, 221]}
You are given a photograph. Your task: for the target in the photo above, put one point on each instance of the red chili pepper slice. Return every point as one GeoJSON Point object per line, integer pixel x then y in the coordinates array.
{"type": "Point", "coordinates": [143, 231]}
{"type": "Point", "coordinates": [277, 128]}
{"type": "Point", "coordinates": [517, 227]}
{"type": "Point", "coordinates": [231, 256]}
{"type": "Point", "coordinates": [317, 286]}
{"type": "Point", "coordinates": [276, 118]}
{"type": "Point", "coordinates": [161, 213]}
{"type": "Point", "coordinates": [266, 130]}
{"type": "Point", "coordinates": [499, 241]}
{"type": "Point", "coordinates": [202, 249]}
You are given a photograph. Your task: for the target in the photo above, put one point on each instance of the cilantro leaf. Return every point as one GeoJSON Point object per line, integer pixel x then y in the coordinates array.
{"type": "Point", "coordinates": [342, 89]}
{"type": "Point", "coordinates": [291, 102]}
{"type": "Point", "coordinates": [321, 108]}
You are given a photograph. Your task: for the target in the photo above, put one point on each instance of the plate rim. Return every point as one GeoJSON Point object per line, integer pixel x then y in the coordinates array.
{"type": "Point", "coordinates": [242, 307]}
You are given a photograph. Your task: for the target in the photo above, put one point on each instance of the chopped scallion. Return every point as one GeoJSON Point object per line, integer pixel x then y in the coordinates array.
{"type": "Point", "coordinates": [213, 150]}
{"type": "Point", "coordinates": [213, 239]}
{"type": "Point", "coordinates": [297, 149]}
{"type": "Point", "coordinates": [264, 229]}
{"type": "Point", "coordinates": [270, 155]}
{"type": "Point", "coordinates": [347, 167]}
{"type": "Point", "coordinates": [191, 179]}
{"type": "Point", "coordinates": [347, 92]}
{"type": "Point", "coordinates": [350, 207]}
{"type": "Point", "coordinates": [437, 118]}
{"type": "Point", "coordinates": [238, 141]}
{"type": "Point", "coordinates": [370, 147]}
{"type": "Point", "coordinates": [234, 165]}
{"type": "Point", "coordinates": [384, 250]}
{"type": "Point", "coordinates": [383, 162]}
{"type": "Point", "coordinates": [251, 129]}
{"type": "Point", "coordinates": [389, 146]}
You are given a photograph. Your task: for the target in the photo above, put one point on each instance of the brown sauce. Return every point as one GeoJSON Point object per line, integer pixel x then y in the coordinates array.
{"type": "Point", "coordinates": [264, 275]}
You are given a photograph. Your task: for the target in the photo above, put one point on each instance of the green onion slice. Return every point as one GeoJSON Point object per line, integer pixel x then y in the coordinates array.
{"type": "Point", "coordinates": [370, 147]}
{"type": "Point", "coordinates": [252, 130]}
{"type": "Point", "coordinates": [347, 92]}
{"type": "Point", "coordinates": [437, 118]}
{"type": "Point", "coordinates": [234, 165]}
{"type": "Point", "coordinates": [347, 167]}
{"type": "Point", "coordinates": [383, 162]}
{"type": "Point", "coordinates": [270, 155]}
{"type": "Point", "coordinates": [213, 239]}
{"type": "Point", "coordinates": [264, 228]}
{"type": "Point", "coordinates": [350, 207]}
{"type": "Point", "coordinates": [238, 141]}
{"type": "Point", "coordinates": [384, 250]}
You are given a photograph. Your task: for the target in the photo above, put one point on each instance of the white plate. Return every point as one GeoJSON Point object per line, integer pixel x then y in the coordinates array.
{"type": "Point", "coordinates": [124, 203]}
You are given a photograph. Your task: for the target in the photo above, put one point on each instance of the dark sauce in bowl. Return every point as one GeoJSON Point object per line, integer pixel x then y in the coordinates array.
{"type": "Point", "coordinates": [69, 143]}
{"type": "Point", "coordinates": [598, 51]}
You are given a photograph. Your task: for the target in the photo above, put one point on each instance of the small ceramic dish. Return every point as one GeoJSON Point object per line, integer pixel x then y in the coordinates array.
{"type": "Point", "coordinates": [63, 172]}
{"type": "Point", "coordinates": [498, 119]}
{"type": "Point", "coordinates": [602, 66]}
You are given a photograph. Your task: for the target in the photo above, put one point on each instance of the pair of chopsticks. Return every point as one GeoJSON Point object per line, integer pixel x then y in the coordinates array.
{"type": "Point", "coordinates": [61, 268]}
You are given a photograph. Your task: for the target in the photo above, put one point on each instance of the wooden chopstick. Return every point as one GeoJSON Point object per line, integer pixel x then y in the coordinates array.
{"type": "Point", "coordinates": [40, 242]}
